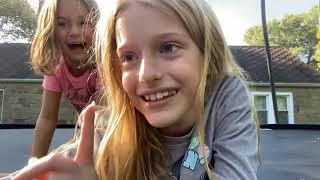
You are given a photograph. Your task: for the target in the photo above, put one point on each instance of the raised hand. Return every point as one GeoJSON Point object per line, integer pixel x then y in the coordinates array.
{"type": "Point", "coordinates": [57, 166]}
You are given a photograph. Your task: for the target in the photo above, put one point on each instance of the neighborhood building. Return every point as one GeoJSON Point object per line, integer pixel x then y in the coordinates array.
{"type": "Point", "coordinates": [21, 90]}
{"type": "Point", "coordinates": [297, 86]}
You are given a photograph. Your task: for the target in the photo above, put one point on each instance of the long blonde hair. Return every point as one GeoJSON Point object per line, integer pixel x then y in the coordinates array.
{"type": "Point", "coordinates": [45, 52]}
{"type": "Point", "coordinates": [131, 148]}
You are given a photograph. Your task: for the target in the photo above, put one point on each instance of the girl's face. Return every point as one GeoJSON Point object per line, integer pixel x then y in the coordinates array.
{"type": "Point", "coordinates": [73, 33]}
{"type": "Point", "coordinates": [161, 68]}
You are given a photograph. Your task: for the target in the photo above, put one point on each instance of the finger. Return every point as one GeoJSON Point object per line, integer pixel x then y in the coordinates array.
{"type": "Point", "coordinates": [43, 176]}
{"type": "Point", "coordinates": [49, 163]}
{"type": "Point", "coordinates": [85, 149]}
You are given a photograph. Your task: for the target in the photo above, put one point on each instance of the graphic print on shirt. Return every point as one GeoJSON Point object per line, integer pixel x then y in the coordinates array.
{"type": "Point", "coordinates": [79, 97]}
{"type": "Point", "coordinates": [195, 155]}
{"type": "Point", "coordinates": [172, 177]}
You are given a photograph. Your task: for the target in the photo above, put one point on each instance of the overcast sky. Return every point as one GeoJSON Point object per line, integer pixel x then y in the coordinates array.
{"type": "Point", "coordinates": [236, 16]}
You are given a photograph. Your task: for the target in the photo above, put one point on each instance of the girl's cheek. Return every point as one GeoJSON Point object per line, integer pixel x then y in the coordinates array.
{"type": "Point", "coordinates": [128, 82]}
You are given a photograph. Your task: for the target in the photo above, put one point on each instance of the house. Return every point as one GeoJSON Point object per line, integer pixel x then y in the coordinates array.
{"type": "Point", "coordinates": [297, 86]}
{"type": "Point", "coordinates": [20, 88]}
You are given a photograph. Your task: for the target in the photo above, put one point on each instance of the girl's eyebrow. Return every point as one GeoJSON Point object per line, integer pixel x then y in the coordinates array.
{"type": "Point", "coordinates": [162, 36]}
{"type": "Point", "coordinates": [171, 35]}
{"type": "Point", "coordinates": [178, 36]}
{"type": "Point", "coordinates": [123, 48]}
{"type": "Point", "coordinates": [64, 18]}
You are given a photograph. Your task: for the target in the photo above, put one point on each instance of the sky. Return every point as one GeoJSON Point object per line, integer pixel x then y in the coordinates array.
{"type": "Point", "coordinates": [236, 16]}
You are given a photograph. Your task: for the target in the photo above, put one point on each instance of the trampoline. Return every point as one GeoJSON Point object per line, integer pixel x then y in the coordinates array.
{"type": "Point", "coordinates": [286, 152]}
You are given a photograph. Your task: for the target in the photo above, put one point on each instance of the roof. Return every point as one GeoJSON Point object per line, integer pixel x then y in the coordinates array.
{"type": "Point", "coordinates": [14, 61]}
{"type": "Point", "coordinates": [287, 68]}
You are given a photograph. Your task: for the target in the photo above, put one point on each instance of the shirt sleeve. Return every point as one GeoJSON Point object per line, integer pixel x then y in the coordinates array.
{"type": "Point", "coordinates": [236, 142]}
{"type": "Point", "coordinates": [51, 83]}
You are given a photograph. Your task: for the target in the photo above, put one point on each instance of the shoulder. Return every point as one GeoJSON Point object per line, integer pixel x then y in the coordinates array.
{"type": "Point", "coordinates": [230, 101]}
{"type": "Point", "coordinates": [232, 88]}
{"type": "Point", "coordinates": [56, 69]}
{"type": "Point", "coordinates": [233, 82]}
{"type": "Point", "coordinates": [61, 67]}
{"type": "Point", "coordinates": [56, 74]}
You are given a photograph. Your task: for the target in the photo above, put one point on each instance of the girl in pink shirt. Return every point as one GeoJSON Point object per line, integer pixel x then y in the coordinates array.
{"type": "Point", "coordinates": [61, 50]}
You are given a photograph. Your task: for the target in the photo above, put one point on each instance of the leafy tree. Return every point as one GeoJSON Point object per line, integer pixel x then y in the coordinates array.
{"type": "Point", "coordinates": [316, 64]}
{"type": "Point", "coordinates": [17, 20]}
{"type": "Point", "coordinates": [294, 31]}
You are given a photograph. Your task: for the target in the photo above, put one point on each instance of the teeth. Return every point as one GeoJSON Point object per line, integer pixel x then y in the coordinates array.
{"type": "Point", "coordinates": [77, 43]}
{"type": "Point", "coordinates": [166, 93]}
{"type": "Point", "coordinates": [159, 95]}
{"type": "Point", "coordinates": [153, 97]}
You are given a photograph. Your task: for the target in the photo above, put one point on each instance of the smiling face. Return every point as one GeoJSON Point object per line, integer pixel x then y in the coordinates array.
{"type": "Point", "coordinates": [161, 67]}
{"type": "Point", "coordinates": [73, 34]}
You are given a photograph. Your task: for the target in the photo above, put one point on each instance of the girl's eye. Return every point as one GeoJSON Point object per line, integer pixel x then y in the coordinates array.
{"type": "Point", "coordinates": [61, 24]}
{"type": "Point", "coordinates": [168, 48]}
{"type": "Point", "coordinates": [127, 58]}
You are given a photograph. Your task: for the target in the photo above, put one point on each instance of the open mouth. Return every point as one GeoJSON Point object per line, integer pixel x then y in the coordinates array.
{"type": "Point", "coordinates": [77, 45]}
{"type": "Point", "coordinates": [159, 95]}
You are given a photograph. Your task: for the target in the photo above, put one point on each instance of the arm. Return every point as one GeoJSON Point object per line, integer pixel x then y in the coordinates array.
{"type": "Point", "coordinates": [46, 123]}
{"type": "Point", "coordinates": [236, 142]}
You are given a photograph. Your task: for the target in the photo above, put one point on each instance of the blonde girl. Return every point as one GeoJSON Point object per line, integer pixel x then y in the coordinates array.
{"type": "Point", "coordinates": [179, 104]}
{"type": "Point", "coordinates": [61, 50]}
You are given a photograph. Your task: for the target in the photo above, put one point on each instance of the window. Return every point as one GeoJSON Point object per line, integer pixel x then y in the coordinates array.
{"type": "Point", "coordinates": [1, 104]}
{"type": "Point", "coordinates": [264, 107]}
{"type": "Point", "coordinates": [260, 102]}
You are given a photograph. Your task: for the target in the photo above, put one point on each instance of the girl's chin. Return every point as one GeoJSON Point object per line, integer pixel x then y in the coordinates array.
{"type": "Point", "coordinates": [159, 122]}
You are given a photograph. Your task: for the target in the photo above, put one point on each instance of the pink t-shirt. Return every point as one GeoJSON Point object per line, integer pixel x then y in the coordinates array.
{"type": "Point", "coordinates": [78, 90]}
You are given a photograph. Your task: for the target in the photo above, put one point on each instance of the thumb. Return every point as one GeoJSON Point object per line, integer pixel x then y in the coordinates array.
{"type": "Point", "coordinates": [85, 149]}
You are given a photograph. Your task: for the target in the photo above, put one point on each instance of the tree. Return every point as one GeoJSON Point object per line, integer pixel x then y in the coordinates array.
{"type": "Point", "coordinates": [316, 64]}
{"type": "Point", "coordinates": [295, 31]}
{"type": "Point", "coordinates": [17, 20]}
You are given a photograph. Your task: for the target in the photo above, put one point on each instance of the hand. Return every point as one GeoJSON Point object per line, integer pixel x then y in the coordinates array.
{"type": "Point", "coordinates": [32, 160]}
{"type": "Point", "coordinates": [57, 166]}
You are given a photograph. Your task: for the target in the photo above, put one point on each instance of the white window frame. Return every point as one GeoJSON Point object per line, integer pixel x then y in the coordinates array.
{"type": "Point", "coordinates": [2, 104]}
{"type": "Point", "coordinates": [271, 118]}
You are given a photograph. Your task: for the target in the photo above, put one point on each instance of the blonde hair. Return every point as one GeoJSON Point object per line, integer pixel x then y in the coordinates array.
{"type": "Point", "coordinates": [45, 52]}
{"type": "Point", "coordinates": [131, 148]}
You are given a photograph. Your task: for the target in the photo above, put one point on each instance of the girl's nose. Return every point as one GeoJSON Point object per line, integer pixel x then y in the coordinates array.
{"type": "Point", "coordinates": [150, 70]}
{"type": "Point", "coordinates": [75, 29]}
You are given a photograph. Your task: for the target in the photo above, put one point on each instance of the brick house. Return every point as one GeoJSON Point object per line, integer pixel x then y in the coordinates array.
{"type": "Point", "coordinates": [20, 88]}
{"type": "Point", "coordinates": [297, 86]}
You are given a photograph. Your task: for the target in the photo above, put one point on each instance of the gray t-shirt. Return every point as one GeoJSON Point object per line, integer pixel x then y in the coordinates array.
{"type": "Point", "coordinates": [231, 138]}
{"type": "Point", "coordinates": [177, 146]}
